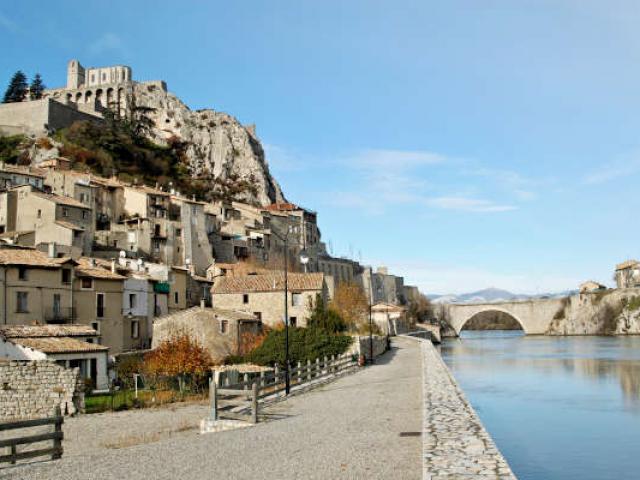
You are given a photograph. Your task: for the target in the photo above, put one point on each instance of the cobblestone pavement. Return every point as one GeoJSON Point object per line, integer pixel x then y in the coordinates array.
{"type": "Point", "coordinates": [349, 429]}
{"type": "Point", "coordinates": [455, 443]}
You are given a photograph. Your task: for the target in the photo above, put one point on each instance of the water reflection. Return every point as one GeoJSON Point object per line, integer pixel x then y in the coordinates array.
{"type": "Point", "coordinates": [558, 407]}
{"type": "Point", "coordinates": [599, 358]}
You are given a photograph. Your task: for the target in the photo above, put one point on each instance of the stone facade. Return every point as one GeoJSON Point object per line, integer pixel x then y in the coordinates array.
{"type": "Point", "coordinates": [34, 389]}
{"type": "Point", "coordinates": [454, 441]}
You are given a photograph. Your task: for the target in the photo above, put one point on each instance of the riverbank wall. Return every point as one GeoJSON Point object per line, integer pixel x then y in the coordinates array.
{"type": "Point", "coordinates": [455, 443]}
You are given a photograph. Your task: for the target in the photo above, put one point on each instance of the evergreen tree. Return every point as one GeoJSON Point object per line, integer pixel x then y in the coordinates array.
{"type": "Point", "coordinates": [17, 89]}
{"type": "Point", "coordinates": [36, 88]}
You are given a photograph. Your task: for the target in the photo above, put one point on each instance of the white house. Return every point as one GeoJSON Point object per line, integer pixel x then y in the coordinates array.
{"type": "Point", "coordinates": [68, 345]}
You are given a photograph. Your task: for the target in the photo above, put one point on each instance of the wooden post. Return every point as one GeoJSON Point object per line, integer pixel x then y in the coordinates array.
{"type": "Point", "coordinates": [254, 404]}
{"type": "Point", "coordinates": [333, 363]}
{"type": "Point", "coordinates": [318, 372]}
{"type": "Point", "coordinates": [226, 381]}
{"type": "Point", "coordinates": [325, 370]}
{"type": "Point", "coordinates": [308, 370]}
{"type": "Point", "coordinates": [275, 374]}
{"type": "Point", "coordinates": [213, 400]}
{"type": "Point", "coordinates": [57, 442]}
{"type": "Point", "coordinates": [262, 379]}
{"type": "Point", "coordinates": [299, 373]}
{"type": "Point", "coordinates": [246, 381]}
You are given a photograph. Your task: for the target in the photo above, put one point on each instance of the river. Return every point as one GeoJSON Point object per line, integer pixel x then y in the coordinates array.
{"type": "Point", "coordinates": [560, 408]}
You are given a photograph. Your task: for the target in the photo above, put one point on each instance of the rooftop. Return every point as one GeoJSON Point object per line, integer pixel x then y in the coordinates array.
{"type": "Point", "coordinates": [41, 331]}
{"type": "Point", "coordinates": [30, 257]}
{"type": "Point", "coordinates": [59, 345]}
{"type": "Point", "coordinates": [59, 199]}
{"type": "Point", "coordinates": [213, 313]}
{"type": "Point", "coordinates": [271, 282]}
{"type": "Point", "coordinates": [96, 268]}
{"type": "Point", "coordinates": [23, 170]}
{"type": "Point", "coordinates": [627, 264]}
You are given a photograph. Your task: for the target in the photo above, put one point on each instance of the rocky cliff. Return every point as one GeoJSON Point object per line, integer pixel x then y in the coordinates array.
{"type": "Point", "coordinates": [609, 312]}
{"type": "Point", "coordinates": [216, 142]}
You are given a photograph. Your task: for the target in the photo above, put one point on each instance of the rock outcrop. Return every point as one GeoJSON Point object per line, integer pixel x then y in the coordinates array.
{"type": "Point", "coordinates": [216, 142]}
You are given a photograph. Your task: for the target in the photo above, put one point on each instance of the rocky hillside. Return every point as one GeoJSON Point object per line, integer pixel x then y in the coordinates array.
{"type": "Point", "coordinates": [215, 142]}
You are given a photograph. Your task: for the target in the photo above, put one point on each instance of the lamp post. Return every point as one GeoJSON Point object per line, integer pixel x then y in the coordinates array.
{"type": "Point", "coordinates": [304, 259]}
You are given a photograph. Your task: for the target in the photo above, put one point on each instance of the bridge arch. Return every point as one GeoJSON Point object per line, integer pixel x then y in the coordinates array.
{"type": "Point", "coordinates": [488, 309]}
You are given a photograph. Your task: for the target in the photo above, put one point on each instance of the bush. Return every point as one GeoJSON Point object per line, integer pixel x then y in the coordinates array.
{"type": "Point", "coordinates": [10, 148]}
{"type": "Point", "coordinates": [326, 319]}
{"type": "Point", "coordinates": [633, 303]}
{"type": "Point", "coordinates": [304, 344]}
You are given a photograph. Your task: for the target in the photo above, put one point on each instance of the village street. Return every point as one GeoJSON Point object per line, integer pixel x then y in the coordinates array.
{"type": "Point", "coordinates": [346, 429]}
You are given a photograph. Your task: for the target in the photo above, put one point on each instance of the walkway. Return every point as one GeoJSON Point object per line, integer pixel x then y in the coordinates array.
{"type": "Point", "coordinates": [355, 427]}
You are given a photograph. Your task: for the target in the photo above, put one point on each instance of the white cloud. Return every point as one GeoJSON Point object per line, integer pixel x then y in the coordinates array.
{"type": "Point", "coordinates": [394, 159]}
{"type": "Point", "coordinates": [628, 165]}
{"type": "Point", "coordinates": [108, 42]}
{"type": "Point", "coordinates": [467, 204]}
{"type": "Point", "coordinates": [282, 159]}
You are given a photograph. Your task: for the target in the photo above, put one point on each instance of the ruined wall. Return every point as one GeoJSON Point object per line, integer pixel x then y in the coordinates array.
{"type": "Point", "coordinates": [33, 389]}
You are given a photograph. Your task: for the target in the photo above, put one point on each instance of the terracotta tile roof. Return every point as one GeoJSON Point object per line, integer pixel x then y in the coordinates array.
{"type": "Point", "coordinates": [59, 345]}
{"type": "Point", "coordinates": [36, 331]}
{"type": "Point", "coordinates": [28, 257]}
{"type": "Point", "coordinates": [59, 199]}
{"type": "Point", "coordinates": [267, 283]}
{"type": "Point", "coordinates": [627, 264]}
{"type": "Point", "coordinates": [24, 170]}
{"type": "Point", "coordinates": [101, 269]}
{"type": "Point", "coordinates": [208, 313]}
{"type": "Point", "coordinates": [69, 225]}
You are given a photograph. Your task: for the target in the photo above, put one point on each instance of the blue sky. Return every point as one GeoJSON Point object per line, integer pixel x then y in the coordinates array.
{"type": "Point", "coordinates": [464, 144]}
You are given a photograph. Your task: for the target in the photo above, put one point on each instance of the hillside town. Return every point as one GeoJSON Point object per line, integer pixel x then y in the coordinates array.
{"type": "Point", "coordinates": [95, 267]}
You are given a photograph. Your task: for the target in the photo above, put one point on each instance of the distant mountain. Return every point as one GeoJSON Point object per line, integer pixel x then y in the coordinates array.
{"type": "Point", "coordinates": [491, 295]}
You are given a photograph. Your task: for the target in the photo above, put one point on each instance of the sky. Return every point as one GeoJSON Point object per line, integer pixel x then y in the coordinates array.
{"type": "Point", "coordinates": [462, 143]}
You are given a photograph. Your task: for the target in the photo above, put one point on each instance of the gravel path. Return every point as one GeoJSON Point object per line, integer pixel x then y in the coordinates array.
{"type": "Point", "coordinates": [346, 429]}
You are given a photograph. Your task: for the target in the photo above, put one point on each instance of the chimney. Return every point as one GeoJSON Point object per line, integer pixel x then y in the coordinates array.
{"type": "Point", "coordinates": [51, 250]}
{"type": "Point", "coordinates": [113, 265]}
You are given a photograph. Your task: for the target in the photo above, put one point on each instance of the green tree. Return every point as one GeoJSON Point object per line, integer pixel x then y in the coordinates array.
{"type": "Point", "coordinates": [17, 89]}
{"type": "Point", "coordinates": [325, 318]}
{"type": "Point", "coordinates": [36, 88]}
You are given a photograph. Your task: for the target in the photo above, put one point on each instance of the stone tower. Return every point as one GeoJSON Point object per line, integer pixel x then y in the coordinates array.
{"type": "Point", "coordinates": [75, 75]}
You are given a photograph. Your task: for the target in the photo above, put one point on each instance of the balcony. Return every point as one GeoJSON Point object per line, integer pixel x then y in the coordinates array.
{"type": "Point", "coordinates": [59, 315]}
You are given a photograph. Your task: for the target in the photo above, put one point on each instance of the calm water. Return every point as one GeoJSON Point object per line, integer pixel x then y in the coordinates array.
{"type": "Point", "coordinates": [558, 408]}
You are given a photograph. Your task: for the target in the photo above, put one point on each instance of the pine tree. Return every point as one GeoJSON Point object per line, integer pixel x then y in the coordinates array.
{"type": "Point", "coordinates": [36, 88]}
{"type": "Point", "coordinates": [17, 89]}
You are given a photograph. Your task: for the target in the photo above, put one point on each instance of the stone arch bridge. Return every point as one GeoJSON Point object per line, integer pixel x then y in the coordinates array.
{"type": "Point", "coordinates": [534, 316]}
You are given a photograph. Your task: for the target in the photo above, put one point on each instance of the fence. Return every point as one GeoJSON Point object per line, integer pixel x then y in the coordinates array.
{"type": "Point", "coordinates": [12, 443]}
{"type": "Point", "coordinates": [233, 399]}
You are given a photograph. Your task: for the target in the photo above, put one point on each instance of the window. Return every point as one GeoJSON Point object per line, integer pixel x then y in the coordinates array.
{"type": "Point", "coordinates": [175, 297]}
{"type": "Point", "coordinates": [56, 305]}
{"type": "Point", "coordinates": [39, 213]}
{"type": "Point", "coordinates": [96, 326]}
{"type": "Point", "coordinates": [22, 302]}
{"type": "Point", "coordinates": [224, 326]}
{"type": "Point", "coordinates": [100, 305]}
{"type": "Point", "coordinates": [178, 232]}
{"type": "Point", "coordinates": [66, 275]}
{"type": "Point", "coordinates": [85, 214]}
{"type": "Point", "coordinates": [293, 321]}
{"type": "Point", "coordinates": [86, 284]}
{"type": "Point", "coordinates": [65, 212]}
{"type": "Point", "coordinates": [132, 300]}
{"type": "Point", "coordinates": [135, 329]}
{"type": "Point", "coordinates": [296, 299]}
{"type": "Point", "coordinates": [245, 298]}
{"type": "Point", "coordinates": [22, 273]}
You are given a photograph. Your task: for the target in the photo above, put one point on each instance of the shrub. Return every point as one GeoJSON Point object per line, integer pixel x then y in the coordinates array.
{"type": "Point", "coordinates": [633, 303]}
{"type": "Point", "coordinates": [304, 344]}
{"type": "Point", "coordinates": [10, 150]}
{"type": "Point", "coordinates": [326, 318]}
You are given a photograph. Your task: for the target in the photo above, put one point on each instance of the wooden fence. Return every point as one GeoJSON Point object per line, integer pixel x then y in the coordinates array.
{"type": "Point", "coordinates": [12, 443]}
{"type": "Point", "coordinates": [230, 400]}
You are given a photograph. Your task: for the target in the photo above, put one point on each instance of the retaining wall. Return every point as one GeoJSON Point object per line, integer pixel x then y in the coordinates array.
{"type": "Point", "coordinates": [33, 389]}
{"type": "Point", "coordinates": [455, 443]}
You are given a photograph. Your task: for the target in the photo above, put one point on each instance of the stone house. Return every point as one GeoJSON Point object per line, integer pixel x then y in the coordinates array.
{"type": "Point", "coordinates": [343, 270]}
{"type": "Point", "coordinates": [263, 295]}
{"type": "Point", "coordinates": [98, 301]}
{"type": "Point", "coordinates": [35, 287]}
{"type": "Point", "coordinates": [71, 346]}
{"type": "Point", "coordinates": [218, 330]}
{"type": "Point", "coordinates": [54, 218]}
{"type": "Point", "coordinates": [17, 175]}
{"type": "Point", "coordinates": [191, 245]}
{"type": "Point", "coordinates": [391, 319]}
{"type": "Point", "coordinates": [590, 286]}
{"type": "Point", "coordinates": [627, 274]}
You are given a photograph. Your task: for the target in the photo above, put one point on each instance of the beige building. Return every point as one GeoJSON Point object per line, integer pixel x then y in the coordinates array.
{"type": "Point", "coordinates": [217, 330]}
{"type": "Point", "coordinates": [627, 274]}
{"type": "Point", "coordinates": [53, 219]}
{"type": "Point", "coordinates": [17, 175]}
{"type": "Point", "coordinates": [590, 286]}
{"type": "Point", "coordinates": [390, 318]}
{"type": "Point", "coordinates": [35, 288]}
{"type": "Point", "coordinates": [71, 346]}
{"type": "Point", "coordinates": [263, 295]}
